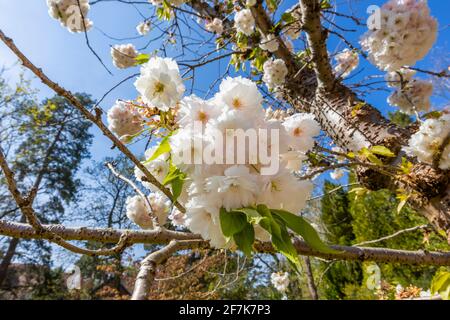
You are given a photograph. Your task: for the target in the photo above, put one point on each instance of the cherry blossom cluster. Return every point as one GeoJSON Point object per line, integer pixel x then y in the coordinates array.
{"type": "Point", "coordinates": [411, 95]}
{"type": "Point", "coordinates": [280, 280]}
{"type": "Point", "coordinates": [124, 55]}
{"type": "Point", "coordinates": [124, 120]}
{"type": "Point", "coordinates": [138, 209]}
{"type": "Point", "coordinates": [347, 61]}
{"type": "Point", "coordinates": [406, 33]}
{"type": "Point", "coordinates": [275, 72]}
{"type": "Point", "coordinates": [70, 14]}
{"type": "Point", "coordinates": [215, 25]}
{"type": "Point", "coordinates": [160, 83]}
{"type": "Point", "coordinates": [426, 143]}
{"type": "Point", "coordinates": [244, 22]}
{"type": "Point", "coordinates": [206, 125]}
{"type": "Point", "coordinates": [269, 43]}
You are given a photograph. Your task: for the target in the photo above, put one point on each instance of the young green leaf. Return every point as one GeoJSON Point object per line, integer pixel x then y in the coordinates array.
{"type": "Point", "coordinates": [303, 228]}
{"type": "Point", "coordinates": [142, 58]}
{"type": "Point", "coordinates": [163, 147]}
{"type": "Point", "coordinates": [253, 216]}
{"type": "Point", "coordinates": [382, 151]}
{"type": "Point", "coordinates": [441, 284]}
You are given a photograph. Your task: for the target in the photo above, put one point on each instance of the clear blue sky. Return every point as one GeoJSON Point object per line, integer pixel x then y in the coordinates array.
{"type": "Point", "coordinates": [65, 58]}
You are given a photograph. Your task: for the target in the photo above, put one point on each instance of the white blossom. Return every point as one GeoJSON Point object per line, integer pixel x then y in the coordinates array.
{"type": "Point", "coordinates": [301, 128]}
{"type": "Point", "coordinates": [336, 174]}
{"type": "Point", "coordinates": [70, 15]}
{"type": "Point", "coordinates": [275, 72]}
{"type": "Point", "coordinates": [250, 3]}
{"type": "Point", "coordinates": [347, 61]}
{"type": "Point", "coordinates": [124, 55]}
{"type": "Point", "coordinates": [124, 120]}
{"type": "Point", "coordinates": [407, 32]}
{"type": "Point", "coordinates": [193, 109]}
{"type": "Point", "coordinates": [156, 2]}
{"type": "Point", "coordinates": [244, 22]}
{"type": "Point", "coordinates": [143, 28]}
{"type": "Point", "coordinates": [203, 219]}
{"type": "Point", "coordinates": [158, 167]}
{"type": "Point", "coordinates": [139, 212]}
{"type": "Point", "coordinates": [240, 95]}
{"type": "Point", "coordinates": [293, 159]}
{"type": "Point", "coordinates": [177, 218]}
{"type": "Point", "coordinates": [269, 43]}
{"type": "Point", "coordinates": [414, 96]}
{"type": "Point", "coordinates": [215, 26]}
{"type": "Point", "coordinates": [397, 78]}
{"type": "Point", "coordinates": [237, 188]}
{"type": "Point", "coordinates": [160, 83]}
{"type": "Point", "coordinates": [277, 190]}
{"type": "Point", "coordinates": [426, 142]}
{"type": "Point", "coordinates": [210, 187]}
{"type": "Point", "coordinates": [280, 280]}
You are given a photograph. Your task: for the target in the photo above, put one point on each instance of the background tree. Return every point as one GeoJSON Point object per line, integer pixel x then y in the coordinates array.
{"type": "Point", "coordinates": [50, 140]}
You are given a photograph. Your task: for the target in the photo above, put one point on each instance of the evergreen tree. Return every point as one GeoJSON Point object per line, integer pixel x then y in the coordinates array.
{"type": "Point", "coordinates": [338, 223]}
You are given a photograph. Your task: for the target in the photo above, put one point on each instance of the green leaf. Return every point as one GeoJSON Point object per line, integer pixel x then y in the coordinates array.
{"type": "Point", "coordinates": [356, 108]}
{"type": "Point", "coordinates": [403, 197]}
{"type": "Point", "coordinates": [177, 188]}
{"type": "Point", "coordinates": [382, 151]}
{"type": "Point", "coordinates": [142, 58]}
{"type": "Point", "coordinates": [325, 4]}
{"type": "Point", "coordinates": [232, 222]}
{"type": "Point", "coordinates": [287, 17]}
{"type": "Point", "coordinates": [174, 173]}
{"type": "Point", "coordinates": [284, 245]}
{"type": "Point", "coordinates": [433, 115]}
{"type": "Point", "coordinates": [406, 166]}
{"type": "Point", "coordinates": [244, 239]}
{"type": "Point", "coordinates": [272, 5]}
{"type": "Point", "coordinates": [269, 224]}
{"type": "Point", "coordinates": [441, 284]}
{"type": "Point", "coordinates": [163, 147]}
{"type": "Point", "coordinates": [303, 228]}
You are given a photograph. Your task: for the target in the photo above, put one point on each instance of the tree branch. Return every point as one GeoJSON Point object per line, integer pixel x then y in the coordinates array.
{"type": "Point", "coordinates": [148, 267]}
{"type": "Point", "coordinates": [94, 118]}
{"type": "Point", "coordinates": [317, 37]}
{"type": "Point", "coordinates": [164, 236]}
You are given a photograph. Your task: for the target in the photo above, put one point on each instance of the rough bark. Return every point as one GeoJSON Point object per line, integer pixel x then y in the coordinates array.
{"type": "Point", "coordinates": [353, 123]}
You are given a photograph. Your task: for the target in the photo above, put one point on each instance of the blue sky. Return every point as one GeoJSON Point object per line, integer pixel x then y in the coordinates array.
{"type": "Point", "coordinates": [66, 59]}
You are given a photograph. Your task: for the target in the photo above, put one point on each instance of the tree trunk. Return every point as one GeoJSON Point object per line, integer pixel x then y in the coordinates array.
{"type": "Point", "coordinates": [6, 262]}
{"type": "Point", "coordinates": [10, 252]}
{"type": "Point", "coordinates": [310, 278]}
